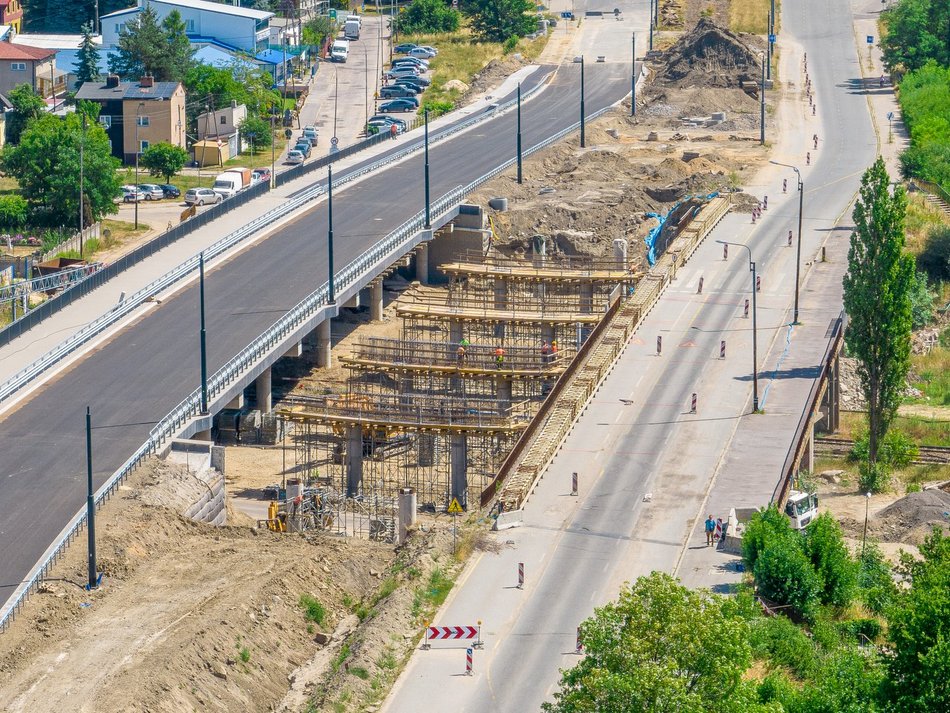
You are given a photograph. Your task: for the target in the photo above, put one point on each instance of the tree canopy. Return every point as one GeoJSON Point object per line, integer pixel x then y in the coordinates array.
{"type": "Point", "coordinates": [877, 299]}
{"type": "Point", "coordinates": [164, 159]}
{"type": "Point", "coordinates": [916, 32]}
{"type": "Point", "coordinates": [427, 17]}
{"type": "Point", "coordinates": [87, 64]}
{"type": "Point", "coordinates": [147, 47]}
{"type": "Point", "coordinates": [27, 106]}
{"type": "Point", "coordinates": [46, 165]}
{"type": "Point", "coordinates": [498, 20]}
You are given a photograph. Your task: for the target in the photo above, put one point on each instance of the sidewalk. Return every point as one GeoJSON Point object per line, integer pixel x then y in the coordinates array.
{"type": "Point", "coordinates": [32, 345]}
{"type": "Point", "coordinates": [748, 471]}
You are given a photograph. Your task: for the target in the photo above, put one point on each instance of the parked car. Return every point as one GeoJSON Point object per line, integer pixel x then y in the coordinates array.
{"type": "Point", "coordinates": [260, 175]}
{"type": "Point", "coordinates": [303, 146]}
{"type": "Point", "coordinates": [412, 61]}
{"type": "Point", "coordinates": [151, 192]}
{"type": "Point", "coordinates": [413, 88]}
{"type": "Point", "coordinates": [131, 194]}
{"type": "Point", "coordinates": [377, 125]}
{"type": "Point", "coordinates": [417, 81]}
{"type": "Point", "coordinates": [294, 157]}
{"type": "Point", "coordinates": [201, 196]}
{"type": "Point", "coordinates": [404, 47]}
{"type": "Point", "coordinates": [394, 91]}
{"type": "Point", "coordinates": [170, 191]}
{"type": "Point", "coordinates": [406, 69]}
{"type": "Point", "coordinates": [428, 48]}
{"type": "Point", "coordinates": [400, 123]}
{"type": "Point", "coordinates": [310, 133]}
{"type": "Point", "coordinates": [422, 52]}
{"type": "Point", "coordinates": [399, 105]}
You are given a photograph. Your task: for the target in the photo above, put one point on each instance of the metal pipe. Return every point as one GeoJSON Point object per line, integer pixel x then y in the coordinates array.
{"type": "Point", "coordinates": [428, 223]}
{"type": "Point", "coordinates": [762, 105]}
{"type": "Point", "coordinates": [633, 77]}
{"type": "Point", "coordinates": [90, 507]}
{"type": "Point", "coordinates": [798, 249]}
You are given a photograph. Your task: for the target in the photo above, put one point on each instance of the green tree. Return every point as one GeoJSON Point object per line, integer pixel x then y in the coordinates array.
{"type": "Point", "coordinates": [658, 647]}
{"type": "Point", "coordinates": [877, 300]}
{"type": "Point", "coordinates": [935, 257]}
{"type": "Point", "coordinates": [875, 579]}
{"type": "Point", "coordinates": [318, 29]}
{"type": "Point", "coordinates": [427, 17]}
{"type": "Point", "coordinates": [27, 106]}
{"type": "Point", "coordinates": [784, 574]}
{"type": "Point", "coordinates": [164, 159]}
{"type": "Point", "coordinates": [916, 31]}
{"type": "Point", "coordinates": [497, 20]}
{"type": "Point", "coordinates": [13, 211]}
{"type": "Point", "coordinates": [46, 165]}
{"type": "Point", "coordinates": [142, 48]}
{"type": "Point", "coordinates": [918, 666]}
{"type": "Point", "coordinates": [764, 527]}
{"type": "Point", "coordinates": [87, 65]}
{"type": "Point", "coordinates": [838, 572]}
{"type": "Point", "coordinates": [257, 131]}
{"type": "Point", "coordinates": [179, 56]}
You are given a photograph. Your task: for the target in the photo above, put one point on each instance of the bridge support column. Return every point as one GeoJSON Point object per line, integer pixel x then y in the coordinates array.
{"type": "Point", "coordinates": [353, 302]}
{"type": "Point", "coordinates": [834, 399]}
{"type": "Point", "coordinates": [587, 297]}
{"type": "Point", "coordinates": [262, 387]}
{"type": "Point", "coordinates": [376, 300]}
{"type": "Point", "coordinates": [501, 294]}
{"type": "Point", "coordinates": [406, 514]}
{"type": "Point", "coordinates": [237, 402]}
{"type": "Point", "coordinates": [323, 344]}
{"type": "Point", "coordinates": [202, 435]}
{"type": "Point", "coordinates": [458, 467]}
{"type": "Point", "coordinates": [354, 460]}
{"type": "Point", "coordinates": [295, 351]}
{"type": "Point", "coordinates": [503, 392]}
{"type": "Point", "coordinates": [422, 263]}
{"type": "Point", "coordinates": [425, 443]}
{"type": "Point", "coordinates": [808, 457]}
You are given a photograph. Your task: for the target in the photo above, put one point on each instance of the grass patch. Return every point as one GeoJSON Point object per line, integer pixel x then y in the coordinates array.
{"type": "Point", "coordinates": [753, 16]}
{"type": "Point", "coordinates": [359, 672]}
{"type": "Point", "coordinates": [341, 657]}
{"type": "Point", "coordinates": [933, 372]}
{"type": "Point", "coordinates": [922, 431]}
{"type": "Point", "coordinates": [245, 654]}
{"type": "Point", "coordinates": [431, 595]}
{"type": "Point", "coordinates": [313, 610]}
{"type": "Point", "coordinates": [921, 218]}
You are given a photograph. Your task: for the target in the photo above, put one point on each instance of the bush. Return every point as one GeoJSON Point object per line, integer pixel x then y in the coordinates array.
{"type": "Point", "coordinates": [428, 17]}
{"type": "Point", "coordinates": [764, 526]}
{"type": "Point", "coordinates": [784, 574]}
{"type": "Point", "coordinates": [13, 211]}
{"type": "Point", "coordinates": [436, 107]}
{"type": "Point", "coordinates": [313, 610]}
{"type": "Point", "coordinates": [935, 257]}
{"type": "Point", "coordinates": [861, 631]}
{"type": "Point", "coordinates": [873, 477]}
{"type": "Point", "coordinates": [925, 105]}
{"type": "Point", "coordinates": [778, 639]}
{"type": "Point", "coordinates": [510, 44]}
{"type": "Point", "coordinates": [875, 581]}
{"type": "Point", "coordinates": [895, 451]}
{"type": "Point", "coordinates": [921, 301]}
{"type": "Point", "coordinates": [838, 573]}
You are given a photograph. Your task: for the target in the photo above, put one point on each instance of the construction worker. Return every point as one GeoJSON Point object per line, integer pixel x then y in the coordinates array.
{"type": "Point", "coordinates": [499, 357]}
{"type": "Point", "coordinates": [554, 350]}
{"type": "Point", "coordinates": [460, 355]}
{"type": "Point", "coordinates": [545, 351]}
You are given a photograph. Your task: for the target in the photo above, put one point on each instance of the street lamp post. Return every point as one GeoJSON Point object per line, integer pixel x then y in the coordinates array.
{"type": "Point", "coordinates": [798, 248]}
{"type": "Point", "coordinates": [138, 150]}
{"type": "Point", "coordinates": [768, 54]}
{"type": "Point", "coordinates": [583, 143]}
{"type": "Point", "coordinates": [755, 356]}
{"type": "Point", "coordinates": [762, 105]}
{"type": "Point", "coordinates": [425, 115]}
{"type": "Point", "coordinates": [633, 76]}
{"type": "Point", "coordinates": [273, 148]}
{"type": "Point", "coordinates": [82, 219]}
{"type": "Point", "coordinates": [203, 334]}
{"type": "Point", "coordinates": [90, 508]}
{"type": "Point", "coordinates": [520, 175]}
{"type": "Point", "coordinates": [330, 292]}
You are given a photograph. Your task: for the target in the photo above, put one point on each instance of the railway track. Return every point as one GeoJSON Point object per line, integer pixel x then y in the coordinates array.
{"type": "Point", "coordinates": [841, 447]}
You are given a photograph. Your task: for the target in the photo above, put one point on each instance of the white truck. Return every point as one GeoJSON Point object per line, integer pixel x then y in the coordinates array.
{"type": "Point", "coordinates": [232, 181]}
{"type": "Point", "coordinates": [339, 50]}
{"type": "Point", "coordinates": [351, 30]}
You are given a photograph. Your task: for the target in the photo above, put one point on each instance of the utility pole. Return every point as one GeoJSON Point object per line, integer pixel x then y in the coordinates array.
{"type": "Point", "coordinates": [273, 150]}
{"type": "Point", "coordinates": [331, 295]}
{"type": "Point", "coordinates": [82, 144]}
{"type": "Point", "coordinates": [798, 250]}
{"type": "Point", "coordinates": [583, 143]}
{"type": "Point", "coordinates": [520, 175]}
{"type": "Point", "coordinates": [336, 97]}
{"type": "Point", "coordinates": [138, 150]}
{"type": "Point", "coordinates": [755, 355]}
{"type": "Point", "coordinates": [633, 77]}
{"type": "Point", "coordinates": [426, 117]}
{"type": "Point", "coordinates": [768, 54]}
{"type": "Point", "coordinates": [90, 508]}
{"type": "Point", "coordinates": [762, 105]}
{"type": "Point", "coordinates": [203, 333]}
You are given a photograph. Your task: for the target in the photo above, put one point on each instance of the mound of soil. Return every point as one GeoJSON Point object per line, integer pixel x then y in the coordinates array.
{"type": "Point", "coordinates": [708, 56]}
{"type": "Point", "coordinates": [912, 518]}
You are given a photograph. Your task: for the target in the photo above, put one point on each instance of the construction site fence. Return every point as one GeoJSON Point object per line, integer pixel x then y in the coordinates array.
{"type": "Point", "coordinates": [803, 430]}
{"type": "Point", "coordinates": [539, 443]}
{"type": "Point", "coordinates": [175, 421]}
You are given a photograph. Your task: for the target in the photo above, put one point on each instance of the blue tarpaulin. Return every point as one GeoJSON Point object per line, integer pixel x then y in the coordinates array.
{"type": "Point", "coordinates": [655, 233]}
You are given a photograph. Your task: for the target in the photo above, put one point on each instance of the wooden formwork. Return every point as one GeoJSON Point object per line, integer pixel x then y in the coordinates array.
{"type": "Point", "coordinates": [540, 441]}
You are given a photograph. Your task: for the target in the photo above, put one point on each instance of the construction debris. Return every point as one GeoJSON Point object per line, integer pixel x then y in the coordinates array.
{"type": "Point", "coordinates": [708, 56]}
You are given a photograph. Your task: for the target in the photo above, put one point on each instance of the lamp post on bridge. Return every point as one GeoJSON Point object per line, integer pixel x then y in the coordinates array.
{"type": "Point", "coordinates": [583, 143]}
{"type": "Point", "coordinates": [755, 357]}
{"type": "Point", "coordinates": [331, 295]}
{"type": "Point", "coordinates": [520, 157]}
{"type": "Point", "coordinates": [428, 223]}
{"type": "Point", "coordinates": [798, 248]}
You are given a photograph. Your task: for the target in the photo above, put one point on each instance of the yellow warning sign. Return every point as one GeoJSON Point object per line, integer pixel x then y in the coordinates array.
{"type": "Point", "coordinates": [454, 506]}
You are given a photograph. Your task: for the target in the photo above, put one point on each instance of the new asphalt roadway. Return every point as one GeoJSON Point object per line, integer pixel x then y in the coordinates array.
{"type": "Point", "coordinates": [135, 378]}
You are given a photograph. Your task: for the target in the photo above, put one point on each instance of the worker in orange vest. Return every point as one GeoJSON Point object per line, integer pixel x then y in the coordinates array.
{"type": "Point", "coordinates": [499, 357]}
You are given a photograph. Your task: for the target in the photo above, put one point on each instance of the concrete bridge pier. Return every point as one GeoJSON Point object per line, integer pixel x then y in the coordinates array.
{"type": "Point", "coordinates": [376, 300]}
{"type": "Point", "coordinates": [500, 288]}
{"type": "Point", "coordinates": [587, 297]}
{"type": "Point", "coordinates": [503, 390]}
{"type": "Point", "coordinates": [830, 406]}
{"type": "Point", "coordinates": [264, 392]}
{"type": "Point", "coordinates": [324, 358]}
{"type": "Point", "coordinates": [458, 467]}
{"type": "Point", "coordinates": [422, 263]}
{"type": "Point", "coordinates": [354, 460]}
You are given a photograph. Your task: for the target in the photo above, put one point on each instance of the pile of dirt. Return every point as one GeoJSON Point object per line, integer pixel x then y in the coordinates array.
{"type": "Point", "coordinates": [493, 74]}
{"type": "Point", "coordinates": [708, 56]}
{"type": "Point", "coordinates": [913, 517]}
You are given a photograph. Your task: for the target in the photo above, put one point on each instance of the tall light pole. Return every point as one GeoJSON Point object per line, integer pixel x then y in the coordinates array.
{"type": "Point", "coordinates": [331, 295]}
{"type": "Point", "coordinates": [82, 143]}
{"type": "Point", "coordinates": [798, 248]}
{"type": "Point", "coordinates": [90, 508]}
{"type": "Point", "coordinates": [633, 76]}
{"type": "Point", "coordinates": [583, 143]}
{"type": "Point", "coordinates": [762, 105]}
{"type": "Point", "coordinates": [138, 150]}
{"type": "Point", "coordinates": [425, 114]}
{"type": "Point", "coordinates": [520, 175]}
{"type": "Point", "coordinates": [336, 97]}
{"type": "Point", "coordinates": [203, 335]}
{"type": "Point", "coordinates": [273, 149]}
{"type": "Point", "coordinates": [755, 355]}
{"type": "Point", "coordinates": [768, 54]}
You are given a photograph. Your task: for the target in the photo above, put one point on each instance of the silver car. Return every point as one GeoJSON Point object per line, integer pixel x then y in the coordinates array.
{"type": "Point", "coordinates": [201, 196]}
{"type": "Point", "coordinates": [151, 192]}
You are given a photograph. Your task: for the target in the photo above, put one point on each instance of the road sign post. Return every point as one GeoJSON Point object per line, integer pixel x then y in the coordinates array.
{"type": "Point", "coordinates": [468, 662]}
{"type": "Point", "coordinates": [659, 345]}
{"type": "Point", "coordinates": [454, 509]}
{"type": "Point", "coordinates": [574, 484]}
{"type": "Point", "coordinates": [521, 575]}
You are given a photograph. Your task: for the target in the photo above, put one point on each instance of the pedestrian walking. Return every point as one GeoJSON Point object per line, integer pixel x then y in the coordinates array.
{"type": "Point", "coordinates": [392, 131]}
{"type": "Point", "coordinates": [710, 531]}
{"type": "Point", "coordinates": [808, 159]}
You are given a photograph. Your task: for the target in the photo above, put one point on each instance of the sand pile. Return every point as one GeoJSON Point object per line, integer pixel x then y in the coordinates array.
{"type": "Point", "coordinates": [912, 518]}
{"type": "Point", "coordinates": [708, 56]}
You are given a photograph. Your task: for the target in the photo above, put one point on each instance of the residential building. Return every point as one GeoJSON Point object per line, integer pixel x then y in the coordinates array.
{"type": "Point", "coordinates": [222, 125]}
{"type": "Point", "coordinates": [239, 27]}
{"type": "Point", "coordinates": [11, 13]}
{"type": "Point", "coordinates": [22, 64]}
{"type": "Point", "coordinates": [136, 115]}
{"type": "Point", "coordinates": [66, 48]}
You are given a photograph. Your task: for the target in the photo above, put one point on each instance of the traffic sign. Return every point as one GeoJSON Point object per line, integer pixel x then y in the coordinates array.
{"type": "Point", "coordinates": [332, 14]}
{"type": "Point", "coordinates": [334, 141]}
{"type": "Point", "coordinates": [890, 115]}
{"type": "Point", "coordinates": [454, 507]}
{"type": "Point", "coordinates": [772, 39]}
{"type": "Point", "coordinates": [870, 39]}
{"type": "Point", "coordinates": [446, 633]}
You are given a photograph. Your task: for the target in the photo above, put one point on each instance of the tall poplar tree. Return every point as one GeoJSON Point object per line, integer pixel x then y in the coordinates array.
{"type": "Point", "coordinates": [877, 300]}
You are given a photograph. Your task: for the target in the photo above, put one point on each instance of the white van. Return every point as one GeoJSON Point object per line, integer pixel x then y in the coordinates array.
{"type": "Point", "coordinates": [351, 30]}
{"type": "Point", "coordinates": [339, 50]}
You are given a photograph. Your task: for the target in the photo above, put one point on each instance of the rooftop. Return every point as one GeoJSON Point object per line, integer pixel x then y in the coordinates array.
{"type": "Point", "coordinates": [126, 90]}
{"type": "Point", "coordinates": [8, 51]}
{"type": "Point", "coordinates": [52, 42]}
{"type": "Point", "coordinates": [206, 6]}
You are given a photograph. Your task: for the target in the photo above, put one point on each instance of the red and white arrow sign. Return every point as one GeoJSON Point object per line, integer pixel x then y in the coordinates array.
{"type": "Point", "coordinates": [444, 633]}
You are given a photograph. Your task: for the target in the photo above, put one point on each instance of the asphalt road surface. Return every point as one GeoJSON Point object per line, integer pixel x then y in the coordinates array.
{"type": "Point", "coordinates": [645, 462]}
{"type": "Point", "coordinates": [139, 375]}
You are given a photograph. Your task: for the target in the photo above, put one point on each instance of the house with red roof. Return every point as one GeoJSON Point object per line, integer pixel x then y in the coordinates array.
{"type": "Point", "coordinates": [22, 64]}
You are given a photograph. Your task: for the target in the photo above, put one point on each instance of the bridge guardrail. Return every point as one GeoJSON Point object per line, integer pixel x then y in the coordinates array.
{"type": "Point", "coordinates": [173, 422]}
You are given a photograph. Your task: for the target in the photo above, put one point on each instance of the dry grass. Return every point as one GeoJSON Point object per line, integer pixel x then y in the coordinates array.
{"type": "Point", "coordinates": [921, 218]}
{"type": "Point", "coordinates": [752, 15]}
{"type": "Point", "coordinates": [923, 431]}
